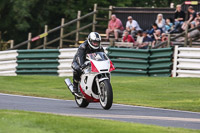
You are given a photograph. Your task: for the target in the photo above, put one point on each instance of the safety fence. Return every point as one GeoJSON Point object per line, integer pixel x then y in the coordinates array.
{"type": "Point", "coordinates": [186, 62]}
{"type": "Point", "coordinates": [37, 62]}
{"type": "Point", "coordinates": [128, 62]}
{"type": "Point", "coordinates": [141, 62]}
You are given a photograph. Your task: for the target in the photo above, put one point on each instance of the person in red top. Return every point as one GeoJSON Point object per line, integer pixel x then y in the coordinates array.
{"type": "Point", "coordinates": [127, 37]}
{"type": "Point", "coordinates": [114, 26]}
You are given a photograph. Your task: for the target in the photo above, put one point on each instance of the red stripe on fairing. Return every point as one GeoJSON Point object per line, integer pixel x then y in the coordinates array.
{"type": "Point", "coordinates": [89, 98]}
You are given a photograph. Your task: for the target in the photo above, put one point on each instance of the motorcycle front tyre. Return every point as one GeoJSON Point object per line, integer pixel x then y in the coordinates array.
{"type": "Point", "coordinates": [107, 100]}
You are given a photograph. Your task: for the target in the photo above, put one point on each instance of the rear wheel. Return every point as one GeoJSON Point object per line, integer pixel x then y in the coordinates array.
{"type": "Point", "coordinates": [81, 102]}
{"type": "Point", "coordinates": [106, 95]}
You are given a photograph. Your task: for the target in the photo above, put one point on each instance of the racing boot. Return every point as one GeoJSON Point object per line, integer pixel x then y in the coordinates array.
{"type": "Point", "coordinates": [75, 87]}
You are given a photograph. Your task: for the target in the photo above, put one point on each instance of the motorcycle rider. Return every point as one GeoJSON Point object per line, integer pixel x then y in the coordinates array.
{"type": "Point", "coordinates": [91, 45]}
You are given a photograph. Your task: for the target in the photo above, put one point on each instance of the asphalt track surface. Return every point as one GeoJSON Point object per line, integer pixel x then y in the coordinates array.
{"type": "Point", "coordinates": [136, 114]}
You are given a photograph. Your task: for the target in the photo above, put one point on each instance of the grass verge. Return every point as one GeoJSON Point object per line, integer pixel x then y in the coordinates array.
{"type": "Point", "coordinates": [31, 122]}
{"type": "Point", "coordinates": [164, 92]}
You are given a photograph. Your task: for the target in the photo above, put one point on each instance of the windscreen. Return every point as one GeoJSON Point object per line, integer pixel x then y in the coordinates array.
{"type": "Point", "coordinates": [98, 56]}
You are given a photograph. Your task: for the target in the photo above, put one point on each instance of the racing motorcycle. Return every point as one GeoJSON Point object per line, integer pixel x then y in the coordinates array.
{"type": "Point", "coordinates": [95, 83]}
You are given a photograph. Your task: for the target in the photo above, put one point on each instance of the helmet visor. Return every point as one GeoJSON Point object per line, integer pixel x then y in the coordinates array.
{"type": "Point", "coordinates": [95, 43]}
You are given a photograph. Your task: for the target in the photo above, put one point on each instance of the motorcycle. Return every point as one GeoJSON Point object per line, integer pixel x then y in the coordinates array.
{"type": "Point", "coordinates": [95, 83]}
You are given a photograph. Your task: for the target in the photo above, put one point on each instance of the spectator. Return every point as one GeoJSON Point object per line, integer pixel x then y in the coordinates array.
{"type": "Point", "coordinates": [146, 41]}
{"type": "Point", "coordinates": [115, 26]}
{"type": "Point", "coordinates": [127, 37]}
{"type": "Point", "coordinates": [157, 37]}
{"type": "Point", "coordinates": [160, 21]}
{"type": "Point", "coordinates": [152, 31]}
{"type": "Point", "coordinates": [192, 16]}
{"type": "Point", "coordinates": [168, 25]}
{"type": "Point", "coordinates": [197, 18]}
{"type": "Point", "coordinates": [179, 18]}
{"type": "Point", "coordinates": [196, 32]}
{"type": "Point", "coordinates": [132, 26]}
{"type": "Point", "coordinates": [139, 39]}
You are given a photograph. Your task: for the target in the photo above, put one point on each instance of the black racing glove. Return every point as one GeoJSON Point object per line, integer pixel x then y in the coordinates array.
{"type": "Point", "coordinates": [83, 66]}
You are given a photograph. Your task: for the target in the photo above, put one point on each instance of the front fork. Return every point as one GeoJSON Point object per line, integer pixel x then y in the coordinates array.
{"type": "Point", "coordinates": [98, 86]}
{"type": "Point", "coordinates": [97, 82]}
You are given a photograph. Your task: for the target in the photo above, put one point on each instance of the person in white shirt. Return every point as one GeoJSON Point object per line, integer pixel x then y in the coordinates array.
{"type": "Point", "coordinates": [132, 26]}
{"type": "Point", "coordinates": [160, 21]}
{"type": "Point", "coordinates": [139, 39]}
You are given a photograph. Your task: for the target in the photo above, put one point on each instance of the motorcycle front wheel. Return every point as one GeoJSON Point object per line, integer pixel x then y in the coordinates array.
{"type": "Point", "coordinates": [81, 102]}
{"type": "Point", "coordinates": [106, 95]}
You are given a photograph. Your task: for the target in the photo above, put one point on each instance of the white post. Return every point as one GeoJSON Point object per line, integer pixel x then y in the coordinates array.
{"type": "Point", "coordinates": [11, 43]}
{"type": "Point", "coordinates": [175, 61]}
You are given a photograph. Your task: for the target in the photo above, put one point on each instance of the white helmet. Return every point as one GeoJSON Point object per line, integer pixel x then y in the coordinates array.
{"type": "Point", "coordinates": [94, 40]}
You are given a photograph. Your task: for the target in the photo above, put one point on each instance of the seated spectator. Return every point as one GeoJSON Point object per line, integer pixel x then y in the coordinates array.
{"type": "Point", "coordinates": [157, 37]}
{"type": "Point", "coordinates": [139, 39]}
{"type": "Point", "coordinates": [168, 25]}
{"type": "Point", "coordinates": [127, 37]}
{"type": "Point", "coordinates": [192, 16]}
{"type": "Point", "coordinates": [160, 21]}
{"type": "Point", "coordinates": [132, 26]}
{"type": "Point", "coordinates": [115, 26]}
{"type": "Point", "coordinates": [196, 19]}
{"type": "Point", "coordinates": [154, 28]}
{"type": "Point", "coordinates": [146, 41]}
{"type": "Point", "coordinates": [196, 32]}
{"type": "Point", "coordinates": [164, 37]}
{"type": "Point", "coordinates": [179, 18]}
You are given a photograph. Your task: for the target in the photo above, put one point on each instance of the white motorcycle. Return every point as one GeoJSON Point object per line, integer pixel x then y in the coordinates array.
{"type": "Point", "coordinates": [95, 83]}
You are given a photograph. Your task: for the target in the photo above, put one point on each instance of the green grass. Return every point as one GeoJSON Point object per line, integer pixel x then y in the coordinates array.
{"type": "Point", "coordinates": [164, 92]}
{"type": "Point", "coordinates": [31, 122]}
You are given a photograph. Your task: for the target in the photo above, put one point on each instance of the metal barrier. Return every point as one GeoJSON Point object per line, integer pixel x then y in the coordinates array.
{"type": "Point", "coordinates": [37, 62]}
{"type": "Point", "coordinates": [8, 63]}
{"type": "Point", "coordinates": [139, 62]}
{"type": "Point", "coordinates": [186, 62]}
{"type": "Point", "coordinates": [160, 62]}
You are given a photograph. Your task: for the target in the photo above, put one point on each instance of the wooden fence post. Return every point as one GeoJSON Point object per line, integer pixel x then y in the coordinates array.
{"type": "Point", "coordinates": [29, 38]}
{"type": "Point", "coordinates": [186, 36]}
{"type": "Point", "coordinates": [11, 43]}
{"type": "Point", "coordinates": [190, 44]}
{"type": "Point", "coordinates": [45, 38]}
{"type": "Point", "coordinates": [94, 18]}
{"type": "Point", "coordinates": [169, 40]}
{"type": "Point", "coordinates": [61, 33]}
{"type": "Point", "coordinates": [77, 27]}
{"type": "Point", "coordinates": [110, 12]}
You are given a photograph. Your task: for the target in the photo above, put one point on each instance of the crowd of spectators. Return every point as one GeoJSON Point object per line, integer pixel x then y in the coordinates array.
{"type": "Point", "coordinates": [142, 39]}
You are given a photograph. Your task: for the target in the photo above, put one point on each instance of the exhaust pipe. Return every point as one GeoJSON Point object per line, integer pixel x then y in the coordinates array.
{"type": "Point", "coordinates": [70, 85]}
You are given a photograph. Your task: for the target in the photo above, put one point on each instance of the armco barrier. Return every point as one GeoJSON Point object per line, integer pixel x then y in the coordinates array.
{"type": "Point", "coordinates": [129, 62]}
{"type": "Point", "coordinates": [140, 62]}
{"type": "Point", "coordinates": [65, 60]}
{"type": "Point", "coordinates": [186, 62]}
{"type": "Point", "coordinates": [8, 63]}
{"type": "Point", "coordinates": [37, 62]}
{"type": "Point", "coordinates": [160, 62]}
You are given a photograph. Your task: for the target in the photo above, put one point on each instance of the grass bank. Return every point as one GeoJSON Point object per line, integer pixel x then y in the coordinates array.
{"type": "Point", "coordinates": [164, 92]}
{"type": "Point", "coordinates": [29, 122]}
